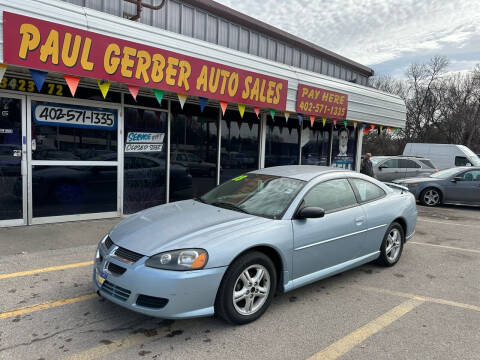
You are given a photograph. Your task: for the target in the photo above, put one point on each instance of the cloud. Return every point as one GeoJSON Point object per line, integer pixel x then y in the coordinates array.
{"type": "Point", "coordinates": [376, 32]}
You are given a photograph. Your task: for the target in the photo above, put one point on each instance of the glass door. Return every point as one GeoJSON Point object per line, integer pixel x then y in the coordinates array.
{"type": "Point", "coordinates": [12, 160]}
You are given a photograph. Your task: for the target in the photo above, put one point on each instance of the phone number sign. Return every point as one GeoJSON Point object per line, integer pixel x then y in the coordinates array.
{"type": "Point", "coordinates": [75, 116]}
{"type": "Point", "coordinates": [321, 102]}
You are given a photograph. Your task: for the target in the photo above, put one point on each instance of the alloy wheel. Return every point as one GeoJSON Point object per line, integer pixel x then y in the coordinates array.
{"type": "Point", "coordinates": [392, 249]}
{"type": "Point", "coordinates": [251, 289]}
{"type": "Point", "coordinates": [431, 197]}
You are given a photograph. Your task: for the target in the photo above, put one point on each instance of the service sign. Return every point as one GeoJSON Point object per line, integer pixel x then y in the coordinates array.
{"type": "Point", "coordinates": [144, 137]}
{"type": "Point", "coordinates": [321, 102]}
{"type": "Point", "coordinates": [49, 46]}
{"type": "Point", "coordinates": [75, 116]}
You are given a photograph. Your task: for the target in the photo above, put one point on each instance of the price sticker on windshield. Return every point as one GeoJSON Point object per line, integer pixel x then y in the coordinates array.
{"type": "Point", "coordinates": [75, 116]}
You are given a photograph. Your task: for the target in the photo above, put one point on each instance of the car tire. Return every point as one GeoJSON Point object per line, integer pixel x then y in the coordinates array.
{"type": "Point", "coordinates": [431, 197]}
{"type": "Point", "coordinates": [234, 281]}
{"type": "Point", "coordinates": [394, 237]}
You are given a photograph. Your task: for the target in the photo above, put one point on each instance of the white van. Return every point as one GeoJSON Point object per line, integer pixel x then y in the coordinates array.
{"type": "Point", "coordinates": [444, 156]}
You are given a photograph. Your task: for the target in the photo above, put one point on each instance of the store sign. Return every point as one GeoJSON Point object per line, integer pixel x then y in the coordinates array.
{"type": "Point", "coordinates": [142, 137]}
{"type": "Point", "coordinates": [143, 147]}
{"type": "Point", "coordinates": [321, 102]}
{"type": "Point", "coordinates": [49, 46]}
{"type": "Point", "coordinates": [75, 116]}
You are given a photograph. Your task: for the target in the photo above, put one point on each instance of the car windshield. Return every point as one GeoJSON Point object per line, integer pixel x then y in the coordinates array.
{"type": "Point", "coordinates": [445, 174]}
{"type": "Point", "coordinates": [376, 159]}
{"type": "Point", "coordinates": [256, 194]}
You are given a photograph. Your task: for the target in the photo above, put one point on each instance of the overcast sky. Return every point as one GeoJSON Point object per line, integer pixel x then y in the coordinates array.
{"type": "Point", "coordinates": [386, 35]}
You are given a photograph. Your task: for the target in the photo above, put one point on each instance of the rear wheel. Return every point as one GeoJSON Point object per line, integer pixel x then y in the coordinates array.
{"type": "Point", "coordinates": [392, 245]}
{"type": "Point", "coordinates": [247, 289]}
{"type": "Point", "coordinates": [431, 197]}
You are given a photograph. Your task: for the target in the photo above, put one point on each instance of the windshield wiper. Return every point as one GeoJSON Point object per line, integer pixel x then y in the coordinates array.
{"type": "Point", "coordinates": [229, 206]}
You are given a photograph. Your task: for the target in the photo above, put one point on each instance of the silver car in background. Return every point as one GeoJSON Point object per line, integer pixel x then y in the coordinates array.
{"type": "Point", "coordinates": [267, 231]}
{"type": "Point", "coordinates": [389, 168]}
{"type": "Point", "coordinates": [460, 185]}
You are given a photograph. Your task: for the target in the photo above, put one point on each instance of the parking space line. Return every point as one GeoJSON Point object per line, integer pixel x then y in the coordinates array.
{"type": "Point", "coordinates": [419, 297]}
{"type": "Point", "coordinates": [445, 247]}
{"type": "Point", "coordinates": [344, 345]}
{"type": "Point", "coordinates": [45, 305]}
{"type": "Point", "coordinates": [448, 223]}
{"type": "Point", "coordinates": [46, 269]}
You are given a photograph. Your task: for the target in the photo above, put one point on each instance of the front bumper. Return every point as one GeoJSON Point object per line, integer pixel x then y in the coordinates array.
{"type": "Point", "coordinates": [188, 293]}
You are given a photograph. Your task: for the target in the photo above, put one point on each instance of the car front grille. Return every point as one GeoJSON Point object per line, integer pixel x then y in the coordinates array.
{"type": "Point", "coordinates": [128, 255]}
{"type": "Point", "coordinates": [115, 291]}
{"type": "Point", "coordinates": [108, 243]}
{"type": "Point", "coordinates": [115, 269]}
{"type": "Point", "coordinates": [151, 301]}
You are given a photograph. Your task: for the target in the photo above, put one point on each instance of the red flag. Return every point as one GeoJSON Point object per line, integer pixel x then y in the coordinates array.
{"type": "Point", "coordinates": [133, 91]}
{"type": "Point", "coordinates": [72, 82]}
{"type": "Point", "coordinates": [312, 120]}
{"type": "Point", "coordinates": [223, 105]}
{"type": "Point", "coordinates": [257, 111]}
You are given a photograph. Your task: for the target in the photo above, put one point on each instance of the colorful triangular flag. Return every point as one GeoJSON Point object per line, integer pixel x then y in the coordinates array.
{"type": "Point", "coordinates": [257, 111]}
{"type": "Point", "coordinates": [72, 82]}
{"type": "Point", "coordinates": [324, 121]}
{"type": "Point", "coordinates": [38, 78]}
{"type": "Point", "coordinates": [223, 105]}
{"type": "Point", "coordinates": [312, 120]}
{"type": "Point", "coordinates": [355, 125]}
{"type": "Point", "coordinates": [381, 128]}
{"type": "Point", "coordinates": [372, 126]}
{"type": "Point", "coordinates": [133, 91]}
{"type": "Point", "coordinates": [335, 123]}
{"type": "Point", "coordinates": [103, 86]}
{"type": "Point", "coordinates": [159, 95]}
{"type": "Point", "coordinates": [241, 110]}
{"type": "Point", "coordinates": [3, 68]}
{"type": "Point", "coordinates": [203, 102]}
{"type": "Point", "coordinates": [345, 123]}
{"type": "Point", "coordinates": [287, 115]}
{"type": "Point", "coordinates": [300, 119]}
{"type": "Point", "coordinates": [182, 98]}
{"type": "Point", "coordinates": [272, 114]}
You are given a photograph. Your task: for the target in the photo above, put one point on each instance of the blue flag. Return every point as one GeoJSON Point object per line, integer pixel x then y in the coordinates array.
{"type": "Point", "coordinates": [300, 119]}
{"type": "Point", "coordinates": [38, 78]}
{"type": "Point", "coordinates": [203, 103]}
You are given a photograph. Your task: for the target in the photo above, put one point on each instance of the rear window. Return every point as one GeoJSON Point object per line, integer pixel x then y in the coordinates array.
{"type": "Point", "coordinates": [428, 163]}
{"type": "Point", "coordinates": [366, 190]}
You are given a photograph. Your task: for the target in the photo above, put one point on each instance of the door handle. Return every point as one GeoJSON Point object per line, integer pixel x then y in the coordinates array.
{"type": "Point", "coordinates": [360, 220]}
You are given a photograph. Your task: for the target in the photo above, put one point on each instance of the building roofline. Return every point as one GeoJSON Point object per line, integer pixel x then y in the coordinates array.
{"type": "Point", "coordinates": [264, 28]}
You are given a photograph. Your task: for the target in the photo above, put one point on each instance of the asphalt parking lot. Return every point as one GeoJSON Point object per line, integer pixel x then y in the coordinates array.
{"type": "Point", "coordinates": [425, 307]}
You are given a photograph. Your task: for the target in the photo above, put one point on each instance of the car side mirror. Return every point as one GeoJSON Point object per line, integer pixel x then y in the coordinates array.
{"type": "Point", "coordinates": [382, 167]}
{"type": "Point", "coordinates": [310, 212]}
{"type": "Point", "coordinates": [457, 178]}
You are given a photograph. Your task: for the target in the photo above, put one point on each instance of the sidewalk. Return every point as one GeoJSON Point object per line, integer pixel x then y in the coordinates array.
{"type": "Point", "coordinates": [35, 238]}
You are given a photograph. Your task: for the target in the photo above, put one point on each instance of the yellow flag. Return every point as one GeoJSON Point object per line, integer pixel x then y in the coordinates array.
{"type": "Point", "coordinates": [241, 110]}
{"type": "Point", "coordinates": [103, 86]}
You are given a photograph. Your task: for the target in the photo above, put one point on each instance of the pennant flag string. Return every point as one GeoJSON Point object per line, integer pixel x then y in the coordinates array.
{"type": "Point", "coordinates": [159, 95]}
{"type": "Point", "coordinates": [241, 110]}
{"type": "Point", "coordinates": [104, 86]}
{"type": "Point", "coordinates": [272, 114]}
{"type": "Point", "coordinates": [287, 115]}
{"type": "Point", "coordinates": [257, 111]}
{"type": "Point", "coordinates": [345, 123]}
{"type": "Point", "coordinates": [3, 68]}
{"type": "Point", "coordinates": [335, 123]}
{"type": "Point", "coordinates": [38, 78]}
{"type": "Point", "coordinates": [312, 120]}
{"type": "Point", "coordinates": [203, 102]}
{"type": "Point", "coordinates": [223, 105]}
{"type": "Point", "coordinates": [324, 121]}
{"type": "Point", "coordinates": [72, 82]}
{"type": "Point", "coordinates": [182, 98]}
{"type": "Point", "coordinates": [300, 119]}
{"type": "Point", "coordinates": [133, 91]}
{"type": "Point", "coordinates": [355, 125]}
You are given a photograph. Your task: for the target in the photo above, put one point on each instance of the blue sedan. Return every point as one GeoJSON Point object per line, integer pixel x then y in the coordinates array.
{"type": "Point", "coordinates": [272, 230]}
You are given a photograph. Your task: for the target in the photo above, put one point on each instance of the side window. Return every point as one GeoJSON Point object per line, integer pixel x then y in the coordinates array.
{"type": "Point", "coordinates": [331, 195]}
{"type": "Point", "coordinates": [409, 164]}
{"type": "Point", "coordinates": [367, 190]}
{"type": "Point", "coordinates": [472, 175]}
{"type": "Point", "coordinates": [461, 161]}
{"type": "Point", "coordinates": [391, 164]}
{"type": "Point", "coordinates": [428, 163]}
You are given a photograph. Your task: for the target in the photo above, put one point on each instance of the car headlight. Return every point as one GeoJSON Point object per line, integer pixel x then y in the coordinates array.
{"type": "Point", "coordinates": [104, 239]}
{"type": "Point", "coordinates": [412, 185]}
{"type": "Point", "coordinates": [179, 260]}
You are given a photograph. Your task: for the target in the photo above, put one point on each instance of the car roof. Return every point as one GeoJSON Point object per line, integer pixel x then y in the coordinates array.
{"type": "Point", "coordinates": [300, 172]}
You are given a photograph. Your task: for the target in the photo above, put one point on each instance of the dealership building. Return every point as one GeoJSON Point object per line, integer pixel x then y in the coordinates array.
{"type": "Point", "coordinates": [109, 107]}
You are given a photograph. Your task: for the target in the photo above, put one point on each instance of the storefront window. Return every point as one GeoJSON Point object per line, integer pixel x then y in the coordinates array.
{"type": "Point", "coordinates": [281, 147]}
{"type": "Point", "coordinates": [344, 148]}
{"type": "Point", "coordinates": [73, 133]}
{"type": "Point", "coordinates": [193, 149]}
{"type": "Point", "coordinates": [144, 176]}
{"type": "Point", "coordinates": [239, 152]}
{"type": "Point", "coordinates": [145, 101]}
{"type": "Point", "coordinates": [315, 144]}
{"type": "Point", "coordinates": [68, 190]}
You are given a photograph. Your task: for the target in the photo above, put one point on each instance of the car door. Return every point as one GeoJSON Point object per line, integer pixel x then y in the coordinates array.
{"type": "Point", "coordinates": [333, 239]}
{"type": "Point", "coordinates": [466, 190]}
{"type": "Point", "coordinates": [410, 167]}
{"type": "Point", "coordinates": [389, 170]}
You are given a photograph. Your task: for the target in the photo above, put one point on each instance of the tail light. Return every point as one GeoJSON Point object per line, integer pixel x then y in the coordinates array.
{"type": "Point", "coordinates": [435, 170]}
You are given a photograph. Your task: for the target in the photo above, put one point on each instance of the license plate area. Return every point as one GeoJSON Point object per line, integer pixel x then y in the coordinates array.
{"type": "Point", "coordinates": [100, 276]}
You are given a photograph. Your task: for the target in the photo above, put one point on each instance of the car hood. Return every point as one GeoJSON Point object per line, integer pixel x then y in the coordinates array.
{"type": "Point", "coordinates": [416, 180]}
{"type": "Point", "coordinates": [182, 224]}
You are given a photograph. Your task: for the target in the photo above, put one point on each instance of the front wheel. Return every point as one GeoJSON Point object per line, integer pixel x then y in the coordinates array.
{"type": "Point", "coordinates": [247, 289]}
{"type": "Point", "coordinates": [430, 197]}
{"type": "Point", "coordinates": [392, 245]}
